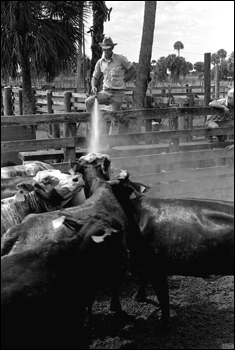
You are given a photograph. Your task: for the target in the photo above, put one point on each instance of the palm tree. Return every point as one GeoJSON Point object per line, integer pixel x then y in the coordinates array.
{"type": "Point", "coordinates": [222, 55]}
{"type": "Point", "coordinates": [144, 67]}
{"type": "Point", "coordinates": [231, 64]}
{"type": "Point", "coordinates": [178, 45]}
{"type": "Point", "coordinates": [40, 38]}
{"type": "Point", "coordinates": [215, 59]}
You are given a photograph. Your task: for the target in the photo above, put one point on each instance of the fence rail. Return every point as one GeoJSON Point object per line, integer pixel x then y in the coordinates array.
{"type": "Point", "coordinates": [59, 102]}
{"type": "Point", "coordinates": [175, 163]}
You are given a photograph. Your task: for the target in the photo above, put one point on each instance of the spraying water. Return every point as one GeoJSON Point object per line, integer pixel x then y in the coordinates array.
{"type": "Point", "coordinates": [94, 144]}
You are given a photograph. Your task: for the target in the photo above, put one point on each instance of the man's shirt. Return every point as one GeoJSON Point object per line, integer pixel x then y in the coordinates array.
{"type": "Point", "coordinates": [113, 71]}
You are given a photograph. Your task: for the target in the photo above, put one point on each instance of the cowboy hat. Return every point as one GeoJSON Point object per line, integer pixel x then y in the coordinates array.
{"type": "Point", "coordinates": [107, 43]}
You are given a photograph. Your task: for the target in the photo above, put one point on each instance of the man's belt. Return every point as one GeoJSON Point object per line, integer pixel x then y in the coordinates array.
{"type": "Point", "coordinates": [115, 90]}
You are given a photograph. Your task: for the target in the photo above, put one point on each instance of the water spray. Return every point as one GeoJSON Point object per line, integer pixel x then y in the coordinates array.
{"type": "Point", "coordinates": [95, 125]}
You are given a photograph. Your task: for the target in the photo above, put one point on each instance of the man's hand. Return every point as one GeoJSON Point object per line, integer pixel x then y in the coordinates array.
{"type": "Point", "coordinates": [130, 73]}
{"type": "Point", "coordinates": [94, 90]}
{"type": "Point", "coordinates": [229, 148]}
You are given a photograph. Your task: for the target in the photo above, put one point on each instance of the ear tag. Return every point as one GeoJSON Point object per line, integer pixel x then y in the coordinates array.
{"type": "Point", "coordinates": [58, 222]}
{"type": "Point", "coordinates": [99, 239]}
{"type": "Point", "coordinates": [133, 195]}
{"type": "Point", "coordinates": [20, 196]}
{"type": "Point", "coordinates": [71, 171]}
{"type": "Point", "coordinates": [142, 189]}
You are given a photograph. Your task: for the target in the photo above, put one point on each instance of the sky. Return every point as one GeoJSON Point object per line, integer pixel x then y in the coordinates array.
{"type": "Point", "coordinates": [202, 27]}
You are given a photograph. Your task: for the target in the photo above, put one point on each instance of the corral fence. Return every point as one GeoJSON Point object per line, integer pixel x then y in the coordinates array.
{"type": "Point", "coordinates": [177, 162]}
{"type": "Point", "coordinates": [49, 101]}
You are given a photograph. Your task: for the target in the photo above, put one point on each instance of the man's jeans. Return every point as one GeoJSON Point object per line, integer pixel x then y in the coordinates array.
{"type": "Point", "coordinates": [113, 97]}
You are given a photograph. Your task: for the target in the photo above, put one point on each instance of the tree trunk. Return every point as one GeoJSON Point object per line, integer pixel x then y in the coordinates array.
{"type": "Point", "coordinates": [79, 60]}
{"type": "Point", "coordinates": [27, 93]}
{"type": "Point", "coordinates": [97, 34]}
{"type": "Point", "coordinates": [79, 63]}
{"type": "Point", "coordinates": [143, 73]}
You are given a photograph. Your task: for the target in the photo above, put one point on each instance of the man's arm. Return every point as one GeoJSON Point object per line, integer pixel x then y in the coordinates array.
{"type": "Point", "coordinates": [218, 105]}
{"type": "Point", "coordinates": [130, 73]}
{"type": "Point", "coordinates": [94, 82]}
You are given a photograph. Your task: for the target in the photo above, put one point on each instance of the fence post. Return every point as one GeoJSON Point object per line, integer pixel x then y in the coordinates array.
{"type": "Point", "coordinates": [21, 101]}
{"type": "Point", "coordinates": [54, 128]}
{"type": "Point", "coordinates": [182, 120]}
{"type": "Point", "coordinates": [7, 101]}
{"type": "Point", "coordinates": [207, 79]}
{"type": "Point", "coordinates": [69, 129]}
{"type": "Point", "coordinates": [217, 92]}
{"type": "Point", "coordinates": [49, 107]}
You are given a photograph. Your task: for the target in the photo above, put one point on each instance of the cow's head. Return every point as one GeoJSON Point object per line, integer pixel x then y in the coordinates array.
{"type": "Point", "coordinates": [102, 162]}
{"type": "Point", "coordinates": [123, 187]}
{"type": "Point", "coordinates": [53, 185]}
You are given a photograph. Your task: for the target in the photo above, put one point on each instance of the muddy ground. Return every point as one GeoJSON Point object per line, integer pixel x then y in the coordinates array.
{"type": "Point", "coordinates": [202, 317]}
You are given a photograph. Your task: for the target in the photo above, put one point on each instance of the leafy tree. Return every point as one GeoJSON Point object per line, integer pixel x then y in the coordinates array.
{"type": "Point", "coordinates": [160, 69]}
{"type": "Point", "coordinates": [199, 67]}
{"type": "Point", "coordinates": [143, 73]}
{"type": "Point", "coordinates": [222, 54]}
{"type": "Point", "coordinates": [215, 59]}
{"type": "Point", "coordinates": [230, 64]}
{"type": "Point", "coordinates": [40, 38]}
{"type": "Point", "coordinates": [177, 66]}
{"type": "Point", "coordinates": [189, 67]}
{"type": "Point", "coordinates": [178, 45]}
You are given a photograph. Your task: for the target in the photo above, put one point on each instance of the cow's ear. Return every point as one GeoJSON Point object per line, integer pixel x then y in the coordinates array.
{"type": "Point", "coordinates": [139, 187]}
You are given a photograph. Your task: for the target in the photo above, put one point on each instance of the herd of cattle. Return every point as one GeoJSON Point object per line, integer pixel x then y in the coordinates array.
{"type": "Point", "coordinates": [66, 236]}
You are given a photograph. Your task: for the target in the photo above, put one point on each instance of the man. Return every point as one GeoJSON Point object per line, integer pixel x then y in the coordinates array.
{"type": "Point", "coordinates": [116, 71]}
{"type": "Point", "coordinates": [225, 119]}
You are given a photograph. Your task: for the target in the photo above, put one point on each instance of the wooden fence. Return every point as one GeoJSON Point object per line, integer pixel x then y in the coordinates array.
{"type": "Point", "coordinates": [59, 102]}
{"type": "Point", "coordinates": [49, 101]}
{"type": "Point", "coordinates": [175, 163]}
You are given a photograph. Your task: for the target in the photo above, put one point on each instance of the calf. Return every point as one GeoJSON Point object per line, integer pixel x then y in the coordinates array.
{"type": "Point", "coordinates": [189, 237]}
{"type": "Point", "coordinates": [27, 169]}
{"type": "Point", "coordinates": [44, 290]}
{"type": "Point", "coordinates": [50, 190]}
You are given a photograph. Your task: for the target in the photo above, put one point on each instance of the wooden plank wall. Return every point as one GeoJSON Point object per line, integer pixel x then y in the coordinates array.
{"type": "Point", "coordinates": [200, 174]}
{"type": "Point", "coordinates": [50, 101]}
{"type": "Point", "coordinates": [173, 168]}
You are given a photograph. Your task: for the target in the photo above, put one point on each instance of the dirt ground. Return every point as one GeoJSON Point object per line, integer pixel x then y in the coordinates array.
{"type": "Point", "coordinates": [202, 317]}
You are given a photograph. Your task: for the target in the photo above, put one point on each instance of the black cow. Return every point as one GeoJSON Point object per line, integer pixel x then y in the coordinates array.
{"type": "Point", "coordinates": [189, 237]}
{"type": "Point", "coordinates": [44, 291]}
